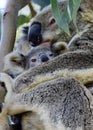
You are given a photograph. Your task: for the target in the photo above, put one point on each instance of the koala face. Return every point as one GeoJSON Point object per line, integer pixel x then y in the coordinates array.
{"type": "Point", "coordinates": [43, 26]}
{"type": "Point", "coordinates": [38, 55]}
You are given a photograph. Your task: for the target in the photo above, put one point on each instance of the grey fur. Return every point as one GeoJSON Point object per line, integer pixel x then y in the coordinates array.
{"type": "Point", "coordinates": [83, 40]}
{"type": "Point", "coordinates": [59, 104]}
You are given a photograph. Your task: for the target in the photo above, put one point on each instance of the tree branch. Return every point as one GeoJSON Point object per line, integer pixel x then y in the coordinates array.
{"type": "Point", "coordinates": [9, 27]}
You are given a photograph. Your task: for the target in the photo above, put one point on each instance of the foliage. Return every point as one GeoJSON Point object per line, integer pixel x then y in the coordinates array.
{"type": "Point", "coordinates": [69, 14]}
{"type": "Point", "coordinates": [62, 18]}
{"type": "Point", "coordinates": [22, 19]}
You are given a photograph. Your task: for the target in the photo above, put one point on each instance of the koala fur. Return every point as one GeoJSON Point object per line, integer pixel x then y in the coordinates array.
{"type": "Point", "coordinates": [60, 104]}
{"type": "Point", "coordinates": [83, 40]}
{"type": "Point", "coordinates": [14, 63]}
{"type": "Point", "coordinates": [22, 44]}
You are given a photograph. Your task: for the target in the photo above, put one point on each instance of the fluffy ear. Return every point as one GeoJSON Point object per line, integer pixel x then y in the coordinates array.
{"type": "Point", "coordinates": [59, 47]}
{"type": "Point", "coordinates": [17, 58]}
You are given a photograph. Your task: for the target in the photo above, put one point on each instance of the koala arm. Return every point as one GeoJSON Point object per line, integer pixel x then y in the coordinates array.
{"type": "Point", "coordinates": [71, 64]}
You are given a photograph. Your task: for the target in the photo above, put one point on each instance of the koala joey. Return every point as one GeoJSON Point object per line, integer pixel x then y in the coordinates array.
{"type": "Point", "coordinates": [67, 97]}
{"type": "Point", "coordinates": [15, 63]}
{"type": "Point", "coordinates": [43, 26]}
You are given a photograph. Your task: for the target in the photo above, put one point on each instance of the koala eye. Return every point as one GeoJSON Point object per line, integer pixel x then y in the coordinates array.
{"type": "Point", "coordinates": [51, 54]}
{"type": "Point", "coordinates": [33, 60]}
{"type": "Point", "coordinates": [52, 21]}
{"type": "Point", "coordinates": [77, 43]}
{"type": "Point", "coordinates": [2, 84]}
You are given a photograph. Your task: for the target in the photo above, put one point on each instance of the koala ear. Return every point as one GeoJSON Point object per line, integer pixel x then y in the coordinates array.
{"type": "Point", "coordinates": [52, 21]}
{"type": "Point", "coordinates": [17, 58]}
{"type": "Point", "coordinates": [59, 47]}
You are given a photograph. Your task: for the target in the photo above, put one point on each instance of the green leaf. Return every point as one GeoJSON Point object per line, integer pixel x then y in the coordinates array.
{"type": "Point", "coordinates": [60, 18]}
{"type": "Point", "coordinates": [69, 14]}
{"type": "Point", "coordinates": [74, 6]}
{"type": "Point", "coordinates": [22, 19]}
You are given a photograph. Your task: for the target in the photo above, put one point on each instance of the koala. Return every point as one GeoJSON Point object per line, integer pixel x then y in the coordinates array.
{"type": "Point", "coordinates": [43, 27]}
{"type": "Point", "coordinates": [67, 97]}
{"type": "Point", "coordinates": [16, 63]}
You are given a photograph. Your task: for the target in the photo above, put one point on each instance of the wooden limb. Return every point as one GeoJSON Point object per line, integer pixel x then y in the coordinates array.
{"type": "Point", "coordinates": [9, 27]}
{"type": "Point", "coordinates": [33, 12]}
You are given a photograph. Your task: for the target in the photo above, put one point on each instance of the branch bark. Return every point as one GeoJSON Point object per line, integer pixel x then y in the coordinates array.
{"type": "Point", "coordinates": [9, 27]}
{"type": "Point", "coordinates": [33, 12]}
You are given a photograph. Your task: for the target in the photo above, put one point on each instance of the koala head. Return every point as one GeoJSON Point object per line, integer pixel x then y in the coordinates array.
{"type": "Point", "coordinates": [43, 27]}
{"type": "Point", "coordinates": [43, 53]}
{"type": "Point", "coordinates": [16, 63]}
{"type": "Point", "coordinates": [38, 55]}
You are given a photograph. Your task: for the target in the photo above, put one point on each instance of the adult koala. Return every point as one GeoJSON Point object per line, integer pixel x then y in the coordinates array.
{"type": "Point", "coordinates": [67, 97]}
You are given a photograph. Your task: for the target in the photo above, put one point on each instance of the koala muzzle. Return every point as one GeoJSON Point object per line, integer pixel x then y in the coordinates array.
{"type": "Point", "coordinates": [43, 57]}
{"type": "Point", "coordinates": [34, 34]}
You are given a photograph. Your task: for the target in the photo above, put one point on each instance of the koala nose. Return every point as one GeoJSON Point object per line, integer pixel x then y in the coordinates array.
{"type": "Point", "coordinates": [34, 34]}
{"type": "Point", "coordinates": [13, 120]}
{"type": "Point", "coordinates": [43, 57]}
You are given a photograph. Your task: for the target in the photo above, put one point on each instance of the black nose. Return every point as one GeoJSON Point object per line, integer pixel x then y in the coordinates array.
{"type": "Point", "coordinates": [34, 34]}
{"type": "Point", "coordinates": [14, 120]}
{"type": "Point", "coordinates": [43, 57]}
